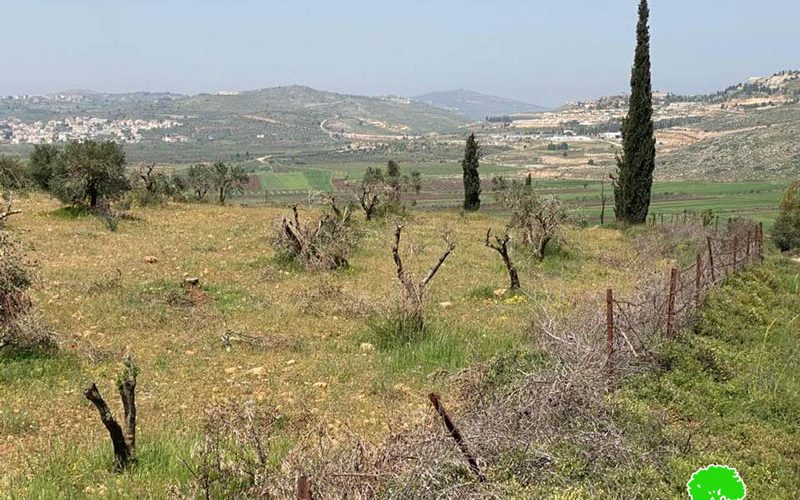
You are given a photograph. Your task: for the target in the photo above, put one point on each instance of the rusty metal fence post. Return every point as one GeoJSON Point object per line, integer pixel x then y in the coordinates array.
{"type": "Point", "coordinates": [673, 285]}
{"type": "Point", "coordinates": [304, 488]}
{"type": "Point", "coordinates": [457, 437]}
{"type": "Point", "coordinates": [609, 330]}
{"type": "Point", "coordinates": [711, 261]}
{"type": "Point", "coordinates": [698, 280]}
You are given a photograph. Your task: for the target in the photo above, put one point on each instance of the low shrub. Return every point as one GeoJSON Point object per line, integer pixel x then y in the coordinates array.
{"type": "Point", "coordinates": [786, 231]}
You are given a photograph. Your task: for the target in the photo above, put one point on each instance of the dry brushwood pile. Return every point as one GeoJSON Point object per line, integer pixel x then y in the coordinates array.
{"type": "Point", "coordinates": [20, 327]}
{"type": "Point", "coordinates": [320, 245]}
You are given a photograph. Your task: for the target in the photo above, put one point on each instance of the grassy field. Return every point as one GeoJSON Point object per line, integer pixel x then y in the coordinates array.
{"type": "Point", "coordinates": [729, 392]}
{"type": "Point", "coordinates": [106, 295]}
{"type": "Point", "coordinates": [97, 290]}
{"type": "Point", "coordinates": [441, 187]}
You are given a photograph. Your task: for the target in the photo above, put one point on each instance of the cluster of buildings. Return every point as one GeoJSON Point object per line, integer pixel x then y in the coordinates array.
{"type": "Point", "coordinates": [15, 131]}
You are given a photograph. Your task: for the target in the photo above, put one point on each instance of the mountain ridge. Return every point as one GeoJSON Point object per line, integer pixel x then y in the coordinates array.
{"type": "Point", "coordinates": [476, 105]}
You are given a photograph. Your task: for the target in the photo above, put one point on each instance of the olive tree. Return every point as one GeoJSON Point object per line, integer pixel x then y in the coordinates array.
{"type": "Point", "coordinates": [227, 180]}
{"type": "Point", "coordinates": [380, 192]}
{"type": "Point", "coordinates": [538, 220]}
{"type": "Point", "coordinates": [199, 180]}
{"type": "Point", "coordinates": [42, 163]}
{"type": "Point", "coordinates": [89, 172]}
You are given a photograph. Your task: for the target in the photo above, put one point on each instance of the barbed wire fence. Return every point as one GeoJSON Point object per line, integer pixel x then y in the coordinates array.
{"type": "Point", "coordinates": [660, 308]}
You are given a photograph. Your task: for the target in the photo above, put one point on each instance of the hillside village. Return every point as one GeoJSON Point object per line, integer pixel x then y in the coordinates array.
{"type": "Point", "coordinates": [78, 128]}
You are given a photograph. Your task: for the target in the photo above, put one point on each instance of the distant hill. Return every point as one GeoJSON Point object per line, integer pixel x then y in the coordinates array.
{"type": "Point", "coordinates": [759, 144]}
{"type": "Point", "coordinates": [257, 122]}
{"type": "Point", "coordinates": [753, 136]}
{"type": "Point", "coordinates": [476, 105]}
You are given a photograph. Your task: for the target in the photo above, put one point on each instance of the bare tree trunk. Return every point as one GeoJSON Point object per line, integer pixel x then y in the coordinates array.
{"type": "Point", "coordinates": [501, 247]}
{"type": "Point", "coordinates": [368, 202]}
{"type": "Point", "coordinates": [124, 442]}
{"type": "Point", "coordinates": [542, 247]}
{"type": "Point", "coordinates": [122, 454]}
{"type": "Point", "coordinates": [127, 393]}
{"type": "Point", "coordinates": [414, 294]}
{"type": "Point", "coordinates": [304, 488]}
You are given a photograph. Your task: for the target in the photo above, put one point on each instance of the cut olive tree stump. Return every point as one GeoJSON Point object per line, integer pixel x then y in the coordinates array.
{"type": "Point", "coordinates": [122, 439]}
{"type": "Point", "coordinates": [413, 292]}
{"type": "Point", "coordinates": [8, 211]}
{"type": "Point", "coordinates": [501, 247]}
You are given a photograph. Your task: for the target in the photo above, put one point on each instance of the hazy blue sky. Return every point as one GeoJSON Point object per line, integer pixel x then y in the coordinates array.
{"type": "Point", "coordinates": [544, 52]}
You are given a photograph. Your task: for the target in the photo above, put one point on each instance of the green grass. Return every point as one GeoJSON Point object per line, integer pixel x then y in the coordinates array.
{"type": "Point", "coordinates": [27, 367]}
{"type": "Point", "coordinates": [230, 299]}
{"type": "Point", "coordinates": [302, 180]}
{"type": "Point", "coordinates": [71, 212]}
{"type": "Point", "coordinates": [422, 357]}
{"type": "Point", "coordinates": [86, 472]}
{"type": "Point", "coordinates": [729, 393]}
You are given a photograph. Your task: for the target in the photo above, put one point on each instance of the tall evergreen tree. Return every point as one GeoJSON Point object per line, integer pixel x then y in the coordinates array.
{"type": "Point", "coordinates": [634, 179]}
{"type": "Point", "coordinates": [472, 181]}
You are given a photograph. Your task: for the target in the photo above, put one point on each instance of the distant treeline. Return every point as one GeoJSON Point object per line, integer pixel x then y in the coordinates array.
{"type": "Point", "coordinates": [500, 119]}
{"type": "Point", "coordinates": [739, 90]}
{"type": "Point", "coordinates": [611, 126]}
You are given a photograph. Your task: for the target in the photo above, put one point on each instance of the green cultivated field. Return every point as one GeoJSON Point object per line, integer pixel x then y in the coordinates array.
{"type": "Point", "coordinates": [441, 188]}
{"type": "Point", "coordinates": [310, 179]}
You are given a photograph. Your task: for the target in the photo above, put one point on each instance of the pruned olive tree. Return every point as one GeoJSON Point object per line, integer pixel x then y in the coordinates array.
{"type": "Point", "coordinates": [123, 437]}
{"type": "Point", "coordinates": [501, 246]}
{"type": "Point", "coordinates": [370, 191]}
{"type": "Point", "coordinates": [320, 244]}
{"type": "Point", "coordinates": [414, 292]}
{"type": "Point", "coordinates": [380, 193]}
{"type": "Point", "coordinates": [153, 185]}
{"type": "Point", "coordinates": [539, 221]}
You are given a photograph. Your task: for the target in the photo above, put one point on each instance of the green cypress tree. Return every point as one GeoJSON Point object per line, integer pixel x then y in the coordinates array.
{"type": "Point", "coordinates": [472, 181]}
{"type": "Point", "coordinates": [634, 179]}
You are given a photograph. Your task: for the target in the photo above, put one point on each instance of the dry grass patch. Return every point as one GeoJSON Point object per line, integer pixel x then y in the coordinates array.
{"type": "Point", "coordinates": [111, 293]}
